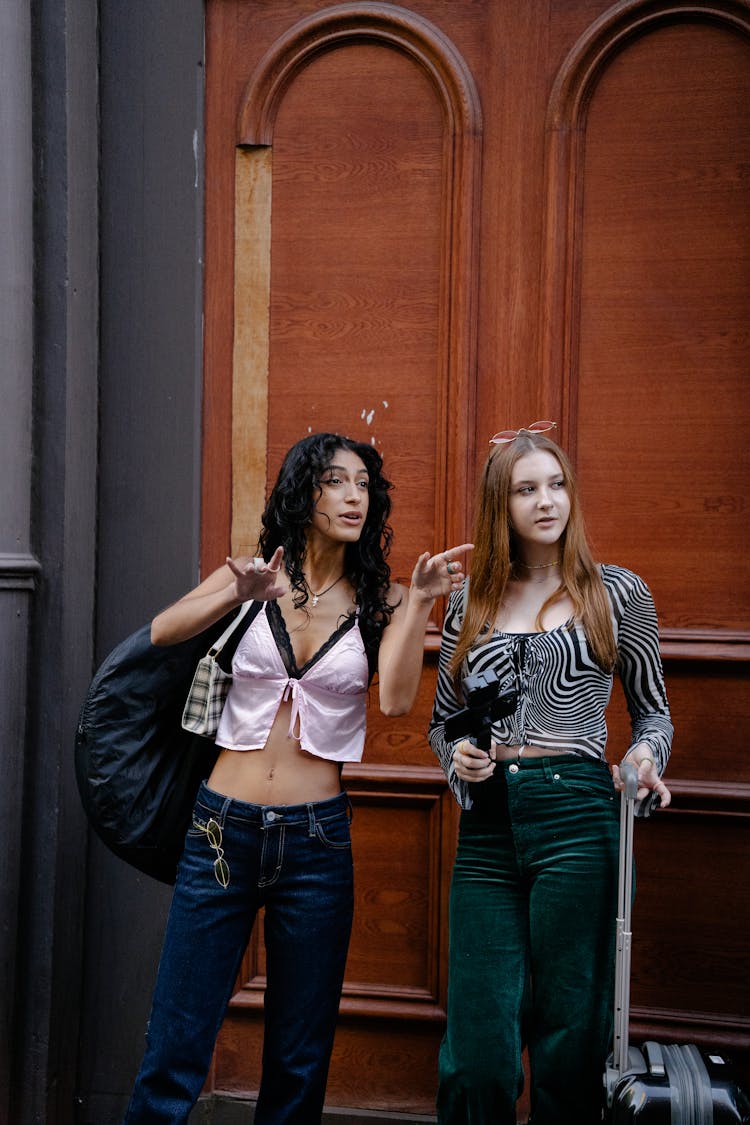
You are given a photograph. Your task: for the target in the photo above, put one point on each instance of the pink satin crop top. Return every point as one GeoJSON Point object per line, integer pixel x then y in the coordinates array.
{"type": "Point", "coordinates": [328, 694]}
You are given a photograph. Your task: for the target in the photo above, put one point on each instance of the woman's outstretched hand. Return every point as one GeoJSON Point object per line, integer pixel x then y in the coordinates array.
{"type": "Point", "coordinates": [437, 576]}
{"type": "Point", "coordinates": [258, 580]}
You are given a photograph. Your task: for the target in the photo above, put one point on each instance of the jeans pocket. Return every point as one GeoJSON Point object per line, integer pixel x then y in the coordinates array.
{"type": "Point", "coordinates": [198, 826]}
{"type": "Point", "coordinates": [589, 784]}
{"type": "Point", "coordinates": [334, 833]}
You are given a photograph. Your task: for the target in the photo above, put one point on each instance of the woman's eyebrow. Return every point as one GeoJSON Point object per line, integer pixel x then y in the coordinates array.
{"type": "Point", "coordinates": [341, 469]}
{"type": "Point", "coordinates": [535, 480]}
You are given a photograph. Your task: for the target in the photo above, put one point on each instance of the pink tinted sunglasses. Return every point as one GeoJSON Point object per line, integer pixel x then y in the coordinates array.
{"type": "Point", "coordinates": [510, 435]}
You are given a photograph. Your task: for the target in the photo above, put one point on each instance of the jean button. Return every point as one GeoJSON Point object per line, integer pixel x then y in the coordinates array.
{"type": "Point", "coordinates": [271, 816]}
{"type": "Point", "coordinates": [513, 768]}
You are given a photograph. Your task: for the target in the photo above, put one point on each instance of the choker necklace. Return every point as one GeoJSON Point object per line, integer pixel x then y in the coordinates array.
{"type": "Point", "coordinates": [316, 597]}
{"type": "Point", "coordinates": [538, 566]}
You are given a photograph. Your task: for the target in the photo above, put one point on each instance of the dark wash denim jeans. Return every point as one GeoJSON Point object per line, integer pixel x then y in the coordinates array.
{"type": "Point", "coordinates": [532, 938]}
{"type": "Point", "coordinates": [295, 860]}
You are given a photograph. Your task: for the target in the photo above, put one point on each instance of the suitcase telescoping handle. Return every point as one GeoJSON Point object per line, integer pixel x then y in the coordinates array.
{"type": "Point", "coordinates": [629, 775]}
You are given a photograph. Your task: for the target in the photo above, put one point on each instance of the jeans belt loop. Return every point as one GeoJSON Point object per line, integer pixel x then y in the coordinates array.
{"type": "Point", "coordinates": [310, 819]}
{"type": "Point", "coordinates": [224, 811]}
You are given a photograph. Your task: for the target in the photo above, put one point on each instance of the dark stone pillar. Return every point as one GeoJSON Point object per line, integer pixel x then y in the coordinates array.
{"type": "Point", "coordinates": [18, 567]}
{"type": "Point", "coordinates": [57, 488]}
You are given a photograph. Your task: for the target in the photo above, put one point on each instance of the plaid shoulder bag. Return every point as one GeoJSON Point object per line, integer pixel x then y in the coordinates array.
{"type": "Point", "coordinates": [208, 691]}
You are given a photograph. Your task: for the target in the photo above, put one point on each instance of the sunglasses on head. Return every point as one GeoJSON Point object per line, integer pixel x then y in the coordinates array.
{"type": "Point", "coordinates": [510, 435]}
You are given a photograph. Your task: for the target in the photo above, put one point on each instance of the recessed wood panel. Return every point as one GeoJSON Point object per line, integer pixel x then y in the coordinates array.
{"type": "Point", "coordinates": [356, 254]}
{"type": "Point", "coordinates": [693, 871]}
{"type": "Point", "coordinates": [661, 391]}
{"type": "Point", "coordinates": [381, 1065]}
{"type": "Point", "coordinates": [393, 936]}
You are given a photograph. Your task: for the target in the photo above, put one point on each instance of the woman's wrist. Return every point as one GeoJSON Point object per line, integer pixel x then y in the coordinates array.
{"type": "Point", "coordinates": [421, 599]}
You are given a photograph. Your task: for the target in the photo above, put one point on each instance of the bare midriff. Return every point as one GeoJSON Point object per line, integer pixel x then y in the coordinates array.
{"type": "Point", "coordinates": [281, 773]}
{"type": "Point", "coordinates": [513, 753]}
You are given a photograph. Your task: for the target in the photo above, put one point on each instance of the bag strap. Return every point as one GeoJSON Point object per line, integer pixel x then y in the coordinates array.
{"type": "Point", "coordinates": [220, 641]}
{"type": "Point", "coordinates": [242, 626]}
{"type": "Point", "coordinates": [226, 644]}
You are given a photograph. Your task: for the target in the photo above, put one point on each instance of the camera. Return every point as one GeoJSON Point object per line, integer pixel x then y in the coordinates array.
{"type": "Point", "coordinates": [484, 704]}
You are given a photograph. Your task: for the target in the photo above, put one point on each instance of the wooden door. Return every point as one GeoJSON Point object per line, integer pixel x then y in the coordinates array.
{"type": "Point", "coordinates": [431, 221]}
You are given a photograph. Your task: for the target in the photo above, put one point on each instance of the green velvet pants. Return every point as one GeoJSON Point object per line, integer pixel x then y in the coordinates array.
{"type": "Point", "coordinates": [532, 938]}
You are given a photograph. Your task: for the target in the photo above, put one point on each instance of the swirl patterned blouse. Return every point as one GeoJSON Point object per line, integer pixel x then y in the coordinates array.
{"type": "Point", "coordinates": [562, 693]}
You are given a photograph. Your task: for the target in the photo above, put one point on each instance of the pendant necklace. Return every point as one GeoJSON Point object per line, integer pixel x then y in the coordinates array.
{"type": "Point", "coordinates": [316, 597]}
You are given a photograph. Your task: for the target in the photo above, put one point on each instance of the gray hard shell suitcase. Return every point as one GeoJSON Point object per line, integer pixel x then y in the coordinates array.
{"type": "Point", "coordinates": [663, 1084]}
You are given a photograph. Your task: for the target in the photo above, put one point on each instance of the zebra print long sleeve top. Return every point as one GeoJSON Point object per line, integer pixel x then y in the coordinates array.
{"type": "Point", "coordinates": [562, 693]}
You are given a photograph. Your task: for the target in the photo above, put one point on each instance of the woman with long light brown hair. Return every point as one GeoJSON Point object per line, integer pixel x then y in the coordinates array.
{"type": "Point", "coordinates": [533, 895]}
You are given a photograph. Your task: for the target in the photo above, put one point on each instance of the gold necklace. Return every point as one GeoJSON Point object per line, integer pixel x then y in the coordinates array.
{"type": "Point", "coordinates": [537, 566]}
{"type": "Point", "coordinates": [316, 597]}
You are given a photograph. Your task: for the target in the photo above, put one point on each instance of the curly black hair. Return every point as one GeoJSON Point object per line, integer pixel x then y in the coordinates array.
{"type": "Point", "coordinates": [289, 512]}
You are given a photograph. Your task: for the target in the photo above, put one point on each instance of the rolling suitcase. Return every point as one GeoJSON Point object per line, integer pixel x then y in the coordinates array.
{"type": "Point", "coordinates": [659, 1083]}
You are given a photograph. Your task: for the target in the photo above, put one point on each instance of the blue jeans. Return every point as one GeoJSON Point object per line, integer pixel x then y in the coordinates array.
{"type": "Point", "coordinates": [532, 938]}
{"type": "Point", "coordinates": [296, 861]}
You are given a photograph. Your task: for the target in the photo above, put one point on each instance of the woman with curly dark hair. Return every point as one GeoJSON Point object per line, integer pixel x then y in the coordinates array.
{"type": "Point", "coordinates": [271, 824]}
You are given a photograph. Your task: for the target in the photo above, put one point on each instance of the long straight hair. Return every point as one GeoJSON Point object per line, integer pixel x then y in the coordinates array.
{"type": "Point", "coordinates": [495, 551]}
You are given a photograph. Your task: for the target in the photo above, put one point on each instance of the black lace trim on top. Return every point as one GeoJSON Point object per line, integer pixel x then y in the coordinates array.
{"type": "Point", "coordinates": [284, 643]}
